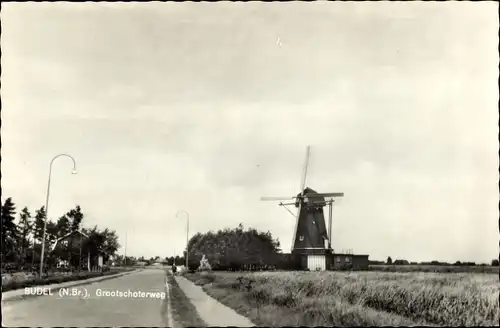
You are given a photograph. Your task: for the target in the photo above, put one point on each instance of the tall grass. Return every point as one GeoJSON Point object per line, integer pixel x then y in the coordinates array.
{"type": "Point", "coordinates": [434, 268]}
{"type": "Point", "coordinates": [361, 298]}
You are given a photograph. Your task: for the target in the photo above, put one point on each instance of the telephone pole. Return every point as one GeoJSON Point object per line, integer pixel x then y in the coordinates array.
{"type": "Point", "coordinates": [125, 248]}
{"type": "Point", "coordinates": [187, 236]}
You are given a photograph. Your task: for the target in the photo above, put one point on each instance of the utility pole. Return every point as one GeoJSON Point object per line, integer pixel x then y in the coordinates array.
{"type": "Point", "coordinates": [46, 208]}
{"type": "Point", "coordinates": [80, 258]}
{"type": "Point", "coordinates": [187, 236]}
{"type": "Point", "coordinates": [125, 259]}
{"type": "Point", "coordinates": [187, 244]}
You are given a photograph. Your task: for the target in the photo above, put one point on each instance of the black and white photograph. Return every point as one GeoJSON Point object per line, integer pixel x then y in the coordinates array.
{"type": "Point", "coordinates": [250, 164]}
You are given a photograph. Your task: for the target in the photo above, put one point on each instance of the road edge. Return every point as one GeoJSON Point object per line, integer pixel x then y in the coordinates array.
{"type": "Point", "coordinates": [170, 321]}
{"type": "Point", "coordinates": [57, 287]}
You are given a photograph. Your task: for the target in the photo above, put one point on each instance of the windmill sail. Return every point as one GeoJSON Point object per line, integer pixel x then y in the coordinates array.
{"type": "Point", "coordinates": [330, 224]}
{"type": "Point", "coordinates": [276, 198]}
{"type": "Point", "coordinates": [306, 164]}
{"type": "Point", "coordinates": [329, 194]}
{"type": "Point", "coordinates": [311, 234]}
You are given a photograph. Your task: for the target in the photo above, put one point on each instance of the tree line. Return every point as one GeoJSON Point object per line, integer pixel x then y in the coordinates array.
{"type": "Point", "coordinates": [249, 249]}
{"type": "Point", "coordinates": [389, 261]}
{"type": "Point", "coordinates": [238, 249]}
{"type": "Point", "coordinates": [121, 260]}
{"type": "Point", "coordinates": [22, 237]}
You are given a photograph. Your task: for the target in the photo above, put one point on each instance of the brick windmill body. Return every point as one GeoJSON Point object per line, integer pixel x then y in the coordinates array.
{"type": "Point", "coordinates": [311, 239]}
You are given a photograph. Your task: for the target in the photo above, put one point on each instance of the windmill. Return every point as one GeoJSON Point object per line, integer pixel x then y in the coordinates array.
{"type": "Point", "coordinates": [311, 239]}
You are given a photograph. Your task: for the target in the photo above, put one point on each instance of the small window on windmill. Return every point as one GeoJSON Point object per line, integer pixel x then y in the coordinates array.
{"type": "Point", "coordinates": [301, 238]}
{"type": "Point", "coordinates": [65, 243]}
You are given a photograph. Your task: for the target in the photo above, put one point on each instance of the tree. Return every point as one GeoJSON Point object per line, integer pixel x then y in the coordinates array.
{"type": "Point", "coordinates": [111, 245]}
{"type": "Point", "coordinates": [177, 260]}
{"type": "Point", "coordinates": [16, 238]}
{"type": "Point", "coordinates": [25, 225]}
{"type": "Point", "coordinates": [38, 224]}
{"type": "Point", "coordinates": [37, 232]}
{"type": "Point", "coordinates": [401, 262]}
{"type": "Point", "coordinates": [63, 226]}
{"type": "Point", "coordinates": [51, 234]}
{"type": "Point", "coordinates": [389, 260]}
{"type": "Point", "coordinates": [9, 232]}
{"type": "Point", "coordinates": [494, 262]}
{"type": "Point", "coordinates": [234, 249]}
{"type": "Point", "coordinates": [118, 259]}
{"type": "Point", "coordinates": [103, 242]}
{"type": "Point", "coordinates": [130, 261]}
{"type": "Point", "coordinates": [75, 218]}
{"type": "Point", "coordinates": [170, 260]}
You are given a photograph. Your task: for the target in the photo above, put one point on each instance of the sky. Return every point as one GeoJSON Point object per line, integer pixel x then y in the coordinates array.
{"type": "Point", "coordinates": [206, 107]}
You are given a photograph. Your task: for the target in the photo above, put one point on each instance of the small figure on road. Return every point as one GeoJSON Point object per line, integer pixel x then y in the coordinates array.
{"type": "Point", "coordinates": [174, 268]}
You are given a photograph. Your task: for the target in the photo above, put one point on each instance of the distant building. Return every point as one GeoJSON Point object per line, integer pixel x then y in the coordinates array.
{"type": "Point", "coordinates": [76, 239]}
{"type": "Point", "coordinates": [338, 261]}
{"type": "Point", "coordinates": [328, 261]}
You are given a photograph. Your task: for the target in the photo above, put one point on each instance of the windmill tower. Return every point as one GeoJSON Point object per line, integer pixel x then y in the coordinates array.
{"type": "Point", "coordinates": [311, 240]}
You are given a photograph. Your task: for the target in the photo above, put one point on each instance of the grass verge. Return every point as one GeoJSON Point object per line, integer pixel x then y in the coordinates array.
{"type": "Point", "coordinates": [183, 311]}
{"type": "Point", "coordinates": [357, 298]}
{"type": "Point", "coordinates": [13, 285]}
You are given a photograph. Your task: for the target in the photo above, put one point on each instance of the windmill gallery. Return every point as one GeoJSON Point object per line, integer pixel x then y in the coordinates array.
{"type": "Point", "coordinates": [312, 243]}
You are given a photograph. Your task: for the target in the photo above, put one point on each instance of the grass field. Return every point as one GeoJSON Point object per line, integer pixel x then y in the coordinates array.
{"type": "Point", "coordinates": [357, 298]}
{"type": "Point", "coordinates": [435, 268]}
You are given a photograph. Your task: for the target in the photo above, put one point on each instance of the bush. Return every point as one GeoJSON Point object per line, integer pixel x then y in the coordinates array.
{"type": "Point", "coordinates": [346, 267]}
{"type": "Point", "coordinates": [204, 265]}
{"type": "Point", "coordinates": [206, 278]}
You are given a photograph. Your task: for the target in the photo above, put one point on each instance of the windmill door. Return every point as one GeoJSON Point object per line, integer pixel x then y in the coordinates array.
{"type": "Point", "coordinates": [316, 262]}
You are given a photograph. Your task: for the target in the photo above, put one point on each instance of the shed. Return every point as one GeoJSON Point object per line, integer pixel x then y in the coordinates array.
{"type": "Point", "coordinates": [354, 261]}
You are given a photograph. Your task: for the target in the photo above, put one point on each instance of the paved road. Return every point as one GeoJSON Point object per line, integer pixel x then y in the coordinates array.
{"type": "Point", "coordinates": [94, 310]}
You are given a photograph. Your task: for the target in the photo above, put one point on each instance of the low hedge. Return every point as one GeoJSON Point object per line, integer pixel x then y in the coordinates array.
{"type": "Point", "coordinates": [13, 285]}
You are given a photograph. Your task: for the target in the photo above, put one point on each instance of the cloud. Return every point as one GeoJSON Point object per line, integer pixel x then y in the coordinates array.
{"type": "Point", "coordinates": [195, 107]}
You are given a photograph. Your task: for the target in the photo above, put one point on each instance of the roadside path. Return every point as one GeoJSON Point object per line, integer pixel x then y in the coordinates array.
{"type": "Point", "coordinates": [210, 310]}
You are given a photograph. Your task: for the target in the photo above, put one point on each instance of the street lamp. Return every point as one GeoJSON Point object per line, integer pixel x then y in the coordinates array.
{"type": "Point", "coordinates": [47, 205]}
{"type": "Point", "coordinates": [187, 236]}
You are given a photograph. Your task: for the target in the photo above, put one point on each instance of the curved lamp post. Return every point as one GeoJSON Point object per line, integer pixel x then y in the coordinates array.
{"type": "Point", "coordinates": [187, 236]}
{"type": "Point", "coordinates": [47, 206]}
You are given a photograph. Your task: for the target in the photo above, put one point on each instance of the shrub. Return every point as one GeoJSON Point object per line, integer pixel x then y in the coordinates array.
{"type": "Point", "coordinates": [204, 265]}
